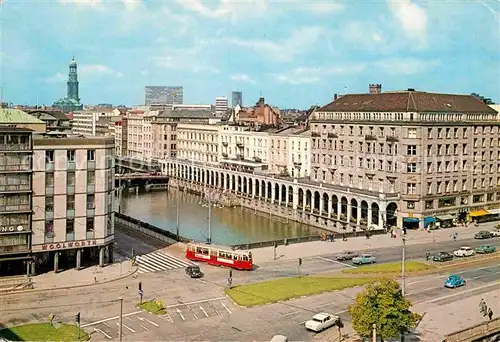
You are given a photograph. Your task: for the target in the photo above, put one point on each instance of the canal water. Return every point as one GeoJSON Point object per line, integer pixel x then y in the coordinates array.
{"type": "Point", "coordinates": [228, 225]}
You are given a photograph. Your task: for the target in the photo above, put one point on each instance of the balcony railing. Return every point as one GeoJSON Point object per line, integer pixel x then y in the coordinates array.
{"type": "Point", "coordinates": [15, 147]}
{"type": "Point", "coordinates": [315, 134]}
{"type": "Point", "coordinates": [224, 155]}
{"type": "Point", "coordinates": [239, 145]}
{"type": "Point", "coordinates": [15, 187]}
{"type": "Point", "coordinates": [392, 139]}
{"type": "Point", "coordinates": [240, 156]}
{"type": "Point", "coordinates": [333, 135]}
{"type": "Point", "coordinates": [16, 167]}
{"type": "Point", "coordinates": [14, 207]}
{"type": "Point", "coordinates": [370, 137]}
{"type": "Point", "coordinates": [224, 143]}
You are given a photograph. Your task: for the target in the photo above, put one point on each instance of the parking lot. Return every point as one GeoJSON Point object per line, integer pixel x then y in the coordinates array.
{"type": "Point", "coordinates": [140, 321]}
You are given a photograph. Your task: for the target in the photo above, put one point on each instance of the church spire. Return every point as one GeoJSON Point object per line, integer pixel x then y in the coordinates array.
{"type": "Point", "coordinates": [72, 91]}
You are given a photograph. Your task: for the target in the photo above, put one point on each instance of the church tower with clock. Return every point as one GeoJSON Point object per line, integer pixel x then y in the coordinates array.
{"type": "Point", "coordinates": [72, 100]}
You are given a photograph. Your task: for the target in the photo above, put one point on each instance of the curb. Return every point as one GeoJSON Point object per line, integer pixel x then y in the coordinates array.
{"type": "Point", "coordinates": [72, 287]}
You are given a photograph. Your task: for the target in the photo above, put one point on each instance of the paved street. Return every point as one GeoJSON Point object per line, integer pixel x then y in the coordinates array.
{"type": "Point", "coordinates": [160, 261]}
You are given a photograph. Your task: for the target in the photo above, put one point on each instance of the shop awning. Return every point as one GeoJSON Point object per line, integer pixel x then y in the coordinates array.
{"type": "Point", "coordinates": [410, 219]}
{"type": "Point", "coordinates": [495, 211]}
{"type": "Point", "coordinates": [428, 220]}
{"type": "Point", "coordinates": [445, 217]}
{"type": "Point", "coordinates": [477, 213]}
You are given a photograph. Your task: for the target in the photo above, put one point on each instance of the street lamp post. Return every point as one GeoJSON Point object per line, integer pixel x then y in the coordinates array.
{"type": "Point", "coordinates": [177, 215]}
{"type": "Point", "coordinates": [403, 257]}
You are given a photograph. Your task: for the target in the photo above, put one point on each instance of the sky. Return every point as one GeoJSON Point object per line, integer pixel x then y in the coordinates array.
{"type": "Point", "coordinates": [293, 53]}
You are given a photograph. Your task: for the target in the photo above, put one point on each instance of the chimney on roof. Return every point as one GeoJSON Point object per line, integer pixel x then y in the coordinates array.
{"type": "Point", "coordinates": [375, 88]}
{"type": "Point", "coordinates": [335, 97]}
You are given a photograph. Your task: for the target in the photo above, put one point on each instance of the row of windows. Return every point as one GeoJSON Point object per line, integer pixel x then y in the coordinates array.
{"type": "Point", "coordinates": [443, 187]}
{"type": "Point", "coordinates": [70, 178]}
{"type": "Point", "coordinates": [364, 147]}
{"type": "Point", "coordinates": [70, 155]}
{"type": "Point", "coordinates": [70, 203]}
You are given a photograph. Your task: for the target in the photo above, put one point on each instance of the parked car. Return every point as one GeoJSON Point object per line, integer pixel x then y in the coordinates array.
{"type": "Point", "coordinates": [495, 233]}
{"type": "Point", "coordinates": [442, 256]}
{"type": "Point", "coordinates": [454, 281]}
{"type": "Point", "coordinates": [321, 321]}
{"type": "Point", "coordinates": [194, 271]}
{"type": "Point", "coordinates": [346, 255]}
{"type": "Point", "coordinates": [279, 338]}
{"type": "Point", "coordinates": [464, 252]}
{"type": "Point", "coordinates": [483, 234]}
{"type": "Point", "coordinates": [485, 249]}
{"type": "Point", "coordinates": [364, 259]}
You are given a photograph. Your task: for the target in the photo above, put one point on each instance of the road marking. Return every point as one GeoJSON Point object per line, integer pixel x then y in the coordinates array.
{"type": "Point", "coordinates": [130, 319]}
{"type": "Point", "coordinates": [291, 313]}
{"type": "Point", "coordinates": [110, 319]}
{"type": "Point", "coordinates": [485, 275]}
{"type": "Point", "coordinates": [203, 281]}
{"type": "Point", "coordinates": [211, 305]}
{"type": "Point", "coordinates": [194, 313]}
{"type": "Point", "coordinates": [336, 262]}
{"type": "Point", "coordinates": [102, 332]}
{"type": "Point", "coordinates": [167, 317]}
{"type": "Point", "coordinates": [142, 326]}
{"type": "Point", "coordinates": [459, 293]}
{"type": "Point", "coordinates": [180, 314]}
{"type": "Point", "coordinates": [126, 327]}
{"type": "Point", "coordinates": [147, 320]}
{"type": "Point", "coordinates": [196, 302]}
{"type": "Point", "coordinates": [203, 310]}
{"type": "Point", "coordinates": [106, 324]}
{"type": "Point", "coordinates": [225, 307]}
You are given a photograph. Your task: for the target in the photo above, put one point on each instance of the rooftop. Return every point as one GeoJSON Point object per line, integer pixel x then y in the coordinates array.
{"type": "Point", "coordinates": [187, 113]}
{"type": "Point", "coordinates": [16, 116]}
{"type": "Point", "coordinates": [408, 101]}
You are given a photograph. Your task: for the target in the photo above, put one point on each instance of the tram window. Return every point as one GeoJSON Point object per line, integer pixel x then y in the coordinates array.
{"type": "Point", "coordinates": [199, 250]}
{"type": "Point", "coordinates": [245, 258]}
{"type": "Point", "coordinates": [235, 257]}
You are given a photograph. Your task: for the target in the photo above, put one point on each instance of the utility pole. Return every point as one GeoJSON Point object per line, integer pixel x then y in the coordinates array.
{"type": "Point", "coordinates": [177, 209]}
{"type": "Point", "coordinates": [209, 220]}
{"type": "Point", "coordinates": [120, 324]}
{"type": "Point", "coordinates": [403, 257]}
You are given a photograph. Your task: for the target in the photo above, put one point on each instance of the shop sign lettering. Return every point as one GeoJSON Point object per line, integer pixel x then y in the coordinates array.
{"type": "Point", "coordinates": [11, 229]}
{"type": "Point", "coordinates": [65, 245]}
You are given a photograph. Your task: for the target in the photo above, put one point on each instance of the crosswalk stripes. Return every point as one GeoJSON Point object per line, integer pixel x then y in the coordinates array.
{"type": "Point", "coordinates": [159, 261]}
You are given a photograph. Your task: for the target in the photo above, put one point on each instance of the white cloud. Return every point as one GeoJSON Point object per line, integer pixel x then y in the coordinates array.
{"type": "Point", "coordinates": [187, 59]}
{"type": "Point", "coordinates": [405, 66]}
{"type": "Point", "coordinates": [92, 70]}
{"type": "Point", "coordinates": [57, 78]}
{"type": "Point", "coordinates": [242, 78]}
{"type": "Point", "coordinates": [145, 72]}
{"type": "Point", "coordinates": [132, 5]}
{"type": "Point", "coordinates": [299, 42]}
{"type": "Point", "coordinates": [321, 8]}
{"type": "Point", "coordinates": [309, 75]}
{"type": "Point", "coordinates": [228, 9]}
{"type": "Point", "coordinates": [411, 17]}
{"type": "Point", "coordinates": [95, 4]}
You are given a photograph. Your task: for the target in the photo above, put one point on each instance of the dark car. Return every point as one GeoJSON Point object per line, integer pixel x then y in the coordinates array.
{"type": "Point", "coordinates": [346, 255]}
{"type": "Point", "coordinates": [483, 234]}
{"type": "Point", "coordinates": [194, 271]}
{"type": "Point", "coordinates": [442, 256]}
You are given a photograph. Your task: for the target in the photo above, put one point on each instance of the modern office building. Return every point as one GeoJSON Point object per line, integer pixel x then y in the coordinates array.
{"type": "Point", "coordinates": [163, 95]}
{"type": "Point", "coordinates": [73, 183]}
{"type": "Point", "coordinates": [237, 99]}
{"type": "Point", "coordinates": [221, 105]}
{"type": "Point", "coordinates": [94, 122]}
{"type": "Point", "coordinates": [15, 196]}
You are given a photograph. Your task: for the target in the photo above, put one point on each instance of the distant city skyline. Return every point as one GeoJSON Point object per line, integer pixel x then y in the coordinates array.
{"type": "Point", "coordinates": [299, 56]}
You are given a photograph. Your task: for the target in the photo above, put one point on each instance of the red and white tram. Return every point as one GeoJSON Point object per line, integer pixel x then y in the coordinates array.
{"type": "Point", "coordinates": [219, 256]}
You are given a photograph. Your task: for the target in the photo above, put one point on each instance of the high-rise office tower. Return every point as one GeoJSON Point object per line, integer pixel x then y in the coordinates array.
{"type": "Point", "coordinates": [237, 99]}
{"type": "Point", "coordinates": [163, 95]}
{"type": "Point", "coordinates": [221, 105]}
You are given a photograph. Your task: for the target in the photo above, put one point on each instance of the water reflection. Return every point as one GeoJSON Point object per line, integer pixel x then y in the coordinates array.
{"type": "Point", "coordinates": [228, 225]}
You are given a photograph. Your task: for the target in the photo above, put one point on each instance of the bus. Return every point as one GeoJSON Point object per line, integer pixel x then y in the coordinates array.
{"type": "Point", "coordinates": [219, 256]}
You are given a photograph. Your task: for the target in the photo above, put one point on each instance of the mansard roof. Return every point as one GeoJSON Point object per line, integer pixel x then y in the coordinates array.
{"type": "Point", "coordinates": [407, 101]}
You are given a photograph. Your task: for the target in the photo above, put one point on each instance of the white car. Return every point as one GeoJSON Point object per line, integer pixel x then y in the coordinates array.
{"type": "Point", "coordinates": [464, 252]}
{"type": "Point", "coordinates": [495, 232]}
{"type": "Point", "coordinates": [321, 321]}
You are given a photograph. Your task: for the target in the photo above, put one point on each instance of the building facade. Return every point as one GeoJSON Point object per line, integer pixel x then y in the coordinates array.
{"type": "Point", "coordinates": [198, 142]}
{"type": "Point", "coordinates": [236, 99]}
{"type": "Point", "coordinates": [94, 122]}
{"type": "Point", "coordinates": [15, 200]}
{"type": "Point", "coordinates": [73, 184]}
{"type": "Point", "coordinates": [438, 153]}
{"type": "Point", "coordinates": [163, 95]}
{"type": "Point", "coordinates": [221, 105]}
{"type": "Point", "coordinates": [290, 152]}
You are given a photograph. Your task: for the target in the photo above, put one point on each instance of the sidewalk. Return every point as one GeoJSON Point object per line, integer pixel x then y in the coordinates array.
{"type": "Point", "coordinates": [88, 276]}
{"type": "Point", "coordinates": [313, 248]}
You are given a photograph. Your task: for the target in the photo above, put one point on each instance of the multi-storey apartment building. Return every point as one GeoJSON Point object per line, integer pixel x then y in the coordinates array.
{"type": "Point", "coordinates": [94, 122]}
{"type": "Point", "coordinates": [15, 200]}
{"type": "Point", "coordinates": [198, 142]}
{"type": "Point", "coordinates": [290, 152]}
{"type": "Point", "coordinates": [140, 134]}
{"type": "Point", "coordinates": [163, 95]}
{"type": "Point", "coordinates": [121, 137]}
{"type": "Point", "coordinates": [439, 153]}
{"type": "Point", "coordinates": [73, 183]}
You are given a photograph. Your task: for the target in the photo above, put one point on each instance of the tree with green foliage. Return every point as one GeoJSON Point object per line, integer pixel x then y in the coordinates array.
{"type": "Point", "coordinates": [382, 304]}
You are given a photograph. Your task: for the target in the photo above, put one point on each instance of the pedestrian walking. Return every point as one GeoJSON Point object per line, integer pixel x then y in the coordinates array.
{"type": "Point", "coordinates": [490, 314]}
{"type": "Point", "coordinates": [344, 237]}
{"type": "Point", "coordinates": [483, 308]}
